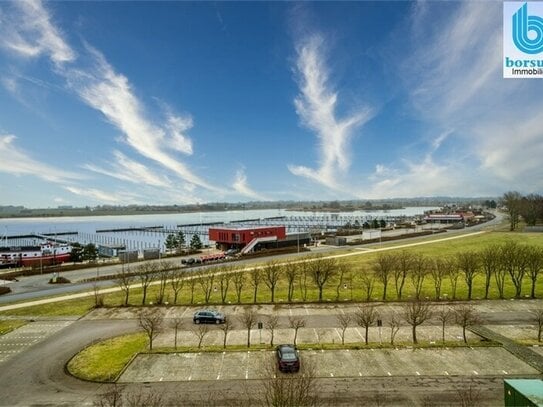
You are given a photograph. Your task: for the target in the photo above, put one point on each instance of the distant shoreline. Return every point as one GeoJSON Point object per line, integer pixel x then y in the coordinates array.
{"type": "Point", "coordinates": [82, 212]}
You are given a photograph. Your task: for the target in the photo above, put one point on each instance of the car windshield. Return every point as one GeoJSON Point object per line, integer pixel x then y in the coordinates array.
{"type": "Point", "coordinates": [289, 356]}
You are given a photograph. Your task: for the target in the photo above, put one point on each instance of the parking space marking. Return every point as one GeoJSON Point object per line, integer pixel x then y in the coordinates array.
{"type": "Point", "coordinates": [475, 371]}
{"type": "Point", "coordinates": [358, 331]}
{"type": "Point", "coordinates": [220, 367]}
{"type": "Point", "coordinates": [504, 372]}
{"type": "Point", "coordinates": [446, 373]}
{"type": "Point", "coordinates": [390, 374]}
{"type": "Point", "coordinates": [331, 374]}
{"type": "Point", "coordinates": [338, 334]}
{"type": "Point", "coordinates": [418, 374]}
{"type": "Point", "coordinates": [247, 366]}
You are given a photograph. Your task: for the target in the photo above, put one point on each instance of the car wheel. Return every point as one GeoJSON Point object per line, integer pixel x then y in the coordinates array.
{"type": "Point", "coordinates": [196, 321]}
{"type": "Point", "coordinates": [217, 321]}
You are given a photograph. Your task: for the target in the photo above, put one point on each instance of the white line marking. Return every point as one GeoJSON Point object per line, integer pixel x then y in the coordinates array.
{"type": "Point", "coordinates": [475, 372]}
{"type": "Point", "coordinates": [447, 373]}
{"type": "Point", "coordinates": [390, 374]}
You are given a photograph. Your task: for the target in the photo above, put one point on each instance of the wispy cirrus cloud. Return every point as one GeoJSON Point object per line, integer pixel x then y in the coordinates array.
{"type": "Point", "coordinates": [454, 83]}
{"type": "Point", "coordinates": [125, 169]}
{"type": "Point", "coordinates": [316, 106]}
{"type": "Point", "coordinates": [103, 196]}
{"type": "Point", "coordinates": [29, 32]}
{"type": "Point", "coordinates": [241, 186]}
{"type": "Point", "coordinates": [14, 160]}
{"type": "Point", "coordinates": [111, 94]}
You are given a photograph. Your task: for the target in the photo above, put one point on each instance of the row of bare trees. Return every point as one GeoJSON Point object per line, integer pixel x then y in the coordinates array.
{"type": "Point", "coordinates": [529, 208]}
{"type": "Point", "coordinates": [499, 263]}
{"type": "Point", "coordinates": [497, 266]}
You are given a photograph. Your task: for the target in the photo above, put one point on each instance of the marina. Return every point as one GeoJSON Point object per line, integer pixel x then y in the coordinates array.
{"type": "Point", "coordinates": [142, 232]}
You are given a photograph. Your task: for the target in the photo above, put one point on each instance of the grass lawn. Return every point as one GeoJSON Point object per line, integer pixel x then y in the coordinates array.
{"type": "Point", "coordinates": [9, 325]}
{"type": "Point", "coordinates": [104, 361]}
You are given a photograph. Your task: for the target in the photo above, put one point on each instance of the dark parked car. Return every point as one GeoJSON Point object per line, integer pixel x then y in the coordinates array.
{"type": "Point", "coordinates": [288, 359]}
{"type": "Point", "coordinates": [209, 317]}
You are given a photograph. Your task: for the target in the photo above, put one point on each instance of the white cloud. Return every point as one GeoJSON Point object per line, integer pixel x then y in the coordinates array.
{"type": "Point", "coordinates": [241, 186]}
{"type": "Point", "coordinates": [102, 196]}
{"type": "Point", "coordinates": [15, 161]}
{"type": "Point", "coordinates": [126, 169]}
{"type": "Point", "coordinates": [29, 33]}
{"type": "Point", "coordinates": [452, 73]}
{"type": "Point", "coordinates": [111, 94]}
{"type": "Point", "coordinates": [316, 106]}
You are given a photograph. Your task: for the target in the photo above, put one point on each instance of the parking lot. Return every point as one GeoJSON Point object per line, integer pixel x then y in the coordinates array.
{"type": "Point", "coordinates": [20, 339]}
{"type": "Point", "coordinates": [492, 361]}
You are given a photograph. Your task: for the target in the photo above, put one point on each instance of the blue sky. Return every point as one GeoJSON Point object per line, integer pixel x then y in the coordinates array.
{"type": "Point", "coordinates": [179, 102]}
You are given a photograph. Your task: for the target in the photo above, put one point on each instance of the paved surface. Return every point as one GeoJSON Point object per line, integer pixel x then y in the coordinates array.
{"type": "Point", "coordinates": [339, 363]}
{"type": "Point", "coordinates": [19, 340]}
{"type": "Point", "coordinates": [524, 353]}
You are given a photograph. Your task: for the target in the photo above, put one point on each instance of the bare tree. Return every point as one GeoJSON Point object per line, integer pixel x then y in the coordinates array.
{"type": "Point", "coordinates": [440, 268]}
{"type": "Point", "coordinates": [321, 270]}
{"type": "Point", "coordinates": [124, 281]}
{"type": "Point", "coordinates": [454, 274]}
{"type": "Point", "coordinates": [98, 297]}
{"type": "Point", "coordinates": [296, 323]}
{"type": "Point", "coordinates": [517, 265]}
{"type": "Point", "coordinates": [468, 263]}
{"type": "Point", "coordinates": [112, 397]}
{"type": "Point", "coordinates": [535, 265]}
{"type": "Point", "coordinates": [177, 282]}
{"type": "Point", "coordinates": [200, 331]}
{"type": "Point", "coordinates": [344, 320]}
{"type": "Point", "coordinates": [404, 264]}
{"type": "Point", "coordinates": [415, 314]}
{"type": "Point", "coordinates": [538, 319]}
{"type": "Point", "coordinates": [383, 269]}
{"type": "Point", "coordinates": [367, 280]}
{"type": "Point", "coordinates": [444, 315]}
{"type": "Point", "coordinates": [176, 323]}
{"type": "Point", "coordinates": [365, 316]}
{"type": "Point", "coordinates": [163, 276]}
{"type": "Point", "coordinates": [286, 391]}
{"type": "Point", "coordinates": [151, 323]}
{"type": "Point", "coordinates": [512, 201]}
{"type": "Point", "coordinates": [206, 279]}
{"type": "Point", "coordinates": [255, 279]}
{"type": "Point", "coordinates": [239, 281]}
{"type": "Point", "coordinates": [341, 269]}
{"type": "Point", "coordinates": [224, 282]}
{"type": "Point", "coordinates": [291, 272]}
{"type": "Point", "coordinates": [145, 274]}
{"type": "Point", "coordinates": [272, 272]}
{"type": "Point", "coordinates": [271, 325]}
{"type": "Point", "coordinates": [466, 316]}
{"type": "Point", "coordinates": [394, 324]}
{"type": "Point", "coordinates": [419, 271]}
{"type": "Point", "coordinates": [226, 328]}
{"type": "Point", "coordinates": [303, 273]}
{"type": "Point", "coordinates": [489, 263]}
{"type": "Point", "coordinates": [192, 286]}
{"type": "Point", "coordinates": [248, 320]}
{"type": "Point", "coordinates": [141, 398]}
{"type": "Point", "coordinates": [468, 397]}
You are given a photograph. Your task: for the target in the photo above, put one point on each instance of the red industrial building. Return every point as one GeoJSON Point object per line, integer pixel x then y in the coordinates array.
{"type": "Point", "coordinates": [247, 239]}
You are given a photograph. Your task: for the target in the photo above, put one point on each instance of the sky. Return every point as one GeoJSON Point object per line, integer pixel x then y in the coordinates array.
{"type": "Point", "coordinates": [120, 103]}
